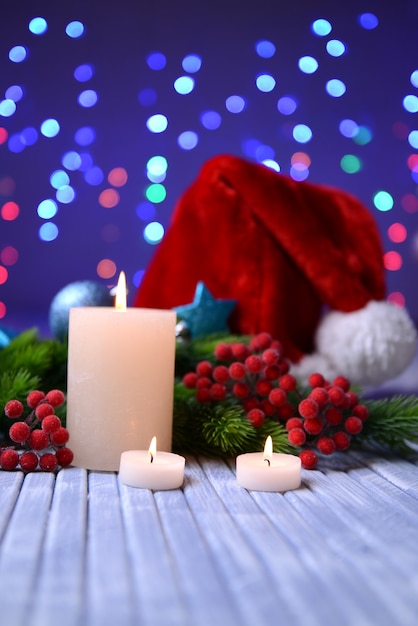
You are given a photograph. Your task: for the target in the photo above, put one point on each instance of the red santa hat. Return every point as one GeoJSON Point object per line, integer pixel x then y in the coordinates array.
{"type": "Point", "coordinates": [302, 261]}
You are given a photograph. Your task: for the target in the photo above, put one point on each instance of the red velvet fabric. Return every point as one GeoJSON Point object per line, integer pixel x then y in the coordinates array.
{"type": "Point", "coordinates": [282, 249]}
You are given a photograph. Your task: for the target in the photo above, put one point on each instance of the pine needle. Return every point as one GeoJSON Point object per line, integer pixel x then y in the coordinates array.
{"type": "Point", "coordinates": [392, 423]}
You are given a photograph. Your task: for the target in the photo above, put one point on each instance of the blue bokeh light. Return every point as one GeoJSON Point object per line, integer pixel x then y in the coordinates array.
{"type": "Point", "coordinates": [17, 54]}
{"type": "Point", "coordinates": [265, 49]}
{"type": "Point", "coordinates": [210, 120]}
{"type": "Point", "coordinates": [157, 123]}
{"type": "Point", "coordinates": [38, 26]}
{"type": "Point", "coordinates": [235, 104]}
{"type": "Point", "coordinates": [75, 29]}
{"type": "Point", "coordinates": [50, 128]}
{"type": "Point", "coordinates": [265, 82]}
{"type": "Point", "coordinates": [188, 140]}
{"type": "Point", "coordinates": [308, 65]}
{"type": "Point", "coordinates": [184, 84]}
{"type": "Point", "coordinates": [321, 27]}
{"type": "Point", "coordinates": [191, 63]}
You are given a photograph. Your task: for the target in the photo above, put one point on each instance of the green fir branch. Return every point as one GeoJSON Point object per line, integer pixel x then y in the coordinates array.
{"type": "Point", "coordinates": [392, 423]}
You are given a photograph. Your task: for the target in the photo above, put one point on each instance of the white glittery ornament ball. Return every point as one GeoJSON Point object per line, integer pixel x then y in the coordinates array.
{"type": "Point", "coordinates": [79, 293]}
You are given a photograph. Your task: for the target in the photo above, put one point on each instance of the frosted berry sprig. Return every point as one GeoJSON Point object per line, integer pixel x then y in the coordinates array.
{"type": "Point", "coordinates": [322, 418]}
{"type": "Point", "coordinates": [38, 435]}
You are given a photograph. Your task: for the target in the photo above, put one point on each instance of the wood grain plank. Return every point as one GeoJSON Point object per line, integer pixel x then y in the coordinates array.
{"type": "Point", "coordinates": [59, 588]}
{"type": "Point", "coordinates": [21, 548]}
{"type": "Point", "coordinates": [297, 555]}
{"type": "Point", "coordinates": [357, 530]}
{"type": "Point", "coordinates": [158, 600]}
{"type": "Point", "coordinates": [10, 485]}
{"type": "Point", "coordinates": [108, 580]}
{"type": "Point", "coordinates": [246, 579]}
{"type": "Point", "coordinates": [204, 591]}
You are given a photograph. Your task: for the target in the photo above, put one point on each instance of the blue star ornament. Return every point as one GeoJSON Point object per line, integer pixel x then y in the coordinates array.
{"type": "Point", "coordinates": [206, 314]}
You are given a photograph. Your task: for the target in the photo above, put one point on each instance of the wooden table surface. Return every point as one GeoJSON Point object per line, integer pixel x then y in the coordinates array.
{"type": "Point", "coordinates": [81, 548]}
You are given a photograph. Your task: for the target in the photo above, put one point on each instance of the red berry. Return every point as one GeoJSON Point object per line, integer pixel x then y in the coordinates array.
{"type": "Point", "coordinates": [55, 397]}
{"type": "Point", "coordinates": [352, 399]}
{"type": "Point", "coordinates": [297, 436]}
{"type": "Point", "coordinates": [240, 351]}
{"type": "Point", "coordinates": [270, 356]}
{"type": "Point", "coordinates": [223, 352]}
{"type": "Point", "coordinates": [316, 380]}
{"type": "Point", "coordinates": [336, 395]}
{"type": "Point", "coordinates": [285, 411]}
{"type": "Point", "coordinates": [294, 422]}
{"type": "Point", "coordinates": [240, 390]}
{"type": "Point", "coordinates": [272, 372]}
{"type": "Point", "coordinates": [218, 391]}
{"type": "Point", "coordinates": [264, 340]}
{"type": "Point", "coordinates": [34, 398]}
{"type": "Point", "coordinates": [333, 415]}
{"type": "Point", "coordinates": [64, 456]}
{"type": "Point", "coordinates": [189, 380]}
{"type": "Point", "coordinates": [220, 374]}
{"type": "Point", "coordinates": [342, 440]}
{"type": "Point", "coordinates": [353, 425]}
{"type": "Point", "coordinates": [61, 436]}
{"type": "Point", "coordinates": [277, 396]}
{"type": "Point", "coordinates": [276, 345]}
{"type": "Point", "coordinates": [51, 424]}
{"type": "Point", "coordinates": [263, 387]}
{"type": "Point", "coordinates": [284, 367]}
{"type": "Point", "coordinates": [287, 382]}
{"type": "Point", "coordinates": [308, 408]}
{"type": "Point", "coordinates": [361, 411]}
{"type": "Point", "coordinates": [267, 407]}
{"type": "Point", "coordinates": [254, 364]}
{"type": "Point", "coordinates": [237, 370]}
{"type": "Point", "coordinates": [320, 395]}
{"type": "Point", "coordinates": [38, 439]}
{"type": "Point", "coordinates": [308, 458]}
{"type": "Point", "coordinates": [202, 395]}
{"type": "Point", "coordinates": [43, 409]}
{"type": "Point", "coordinates": [326, 445]}
{"type": "Point", "coordinates": [19, 432]}
{"type": "Point", "coordinates": [256, 417]}
{"type": "Point", "coordinates": [29, 461]}
{"type": "Point", "coordinates": [13, 409]}
{"type": "Point", "coordinates": [203, 381]}
{"type": "Point", "coordinates": [251, 403]}
{"type": "Point", "coordinates": [343, 382]}
{"type": "Point", "coordinates": [204, 368]}
{"type": "Point", "coordinates": [313, 426]}
{"type": "Point", "coordinates": [9, 459]}
{"type": "Point", "coordinates": [48, 462]}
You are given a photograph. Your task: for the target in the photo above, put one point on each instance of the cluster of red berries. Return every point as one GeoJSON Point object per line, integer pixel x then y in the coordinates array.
{"type": "Point", "coordinates": [257, 376]}
{"type": "Point", "coordinates": [40, 439]}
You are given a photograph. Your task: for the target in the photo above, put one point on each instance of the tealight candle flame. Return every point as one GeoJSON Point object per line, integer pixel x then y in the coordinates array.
{"type": "Point", "coordinates": [152, 450]}
{"type": "Point", "coordinates": [268, 450]}
{"type": "Point", "coordinates": [120, 299]}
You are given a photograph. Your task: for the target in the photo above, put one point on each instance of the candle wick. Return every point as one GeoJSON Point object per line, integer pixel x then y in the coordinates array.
{"type": "Point", "coordinates": [267, 461]}
{"type": "Point", "coordinates": [152, 457]}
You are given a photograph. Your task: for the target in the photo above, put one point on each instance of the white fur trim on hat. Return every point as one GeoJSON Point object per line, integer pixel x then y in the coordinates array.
{"type": "Point", "coordinates": [368, 346]}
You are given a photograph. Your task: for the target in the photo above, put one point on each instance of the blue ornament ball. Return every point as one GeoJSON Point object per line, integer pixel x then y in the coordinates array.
{"type": "Point", "coordinates": [79, 293]}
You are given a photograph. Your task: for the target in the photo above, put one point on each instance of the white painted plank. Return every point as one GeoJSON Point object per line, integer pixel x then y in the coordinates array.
{"type": "Point", "coordinates": [298, 557]}
{"type": "Point", "coordinates": [108, 582]}
{"type": "Point", "coordinates": [21, 548]}
{"type": "Point", "coordinates": [60, 586]}
{"type": "Point", "coordinates": [204, 591]}
{"type": "Point", "coordinates": [10, 485]}
{"type": "Point", "coordinates": [157, 596]}
{"type": "Point", "coordinates": [246, 580]}
{"type": "Point", "coordinates": [357, 530]}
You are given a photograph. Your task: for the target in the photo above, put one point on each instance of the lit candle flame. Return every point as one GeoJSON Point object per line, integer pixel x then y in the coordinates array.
{"type": "Point", "coordinates": [120, 299]}
{"type": "Point", "coordinates": [152, 450]}
{"type": "Point", "coordinates": [268, 450]}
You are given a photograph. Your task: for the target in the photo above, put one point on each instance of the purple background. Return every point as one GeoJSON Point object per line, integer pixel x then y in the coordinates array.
{"type": "Point", "coordinates": [117, 42]}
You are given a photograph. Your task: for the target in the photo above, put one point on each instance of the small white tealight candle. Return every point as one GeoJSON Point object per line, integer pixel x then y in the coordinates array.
{"type": "Point", "coordinates": [149, 469]}
{"type": "Point", "coordinates": [268, 471]}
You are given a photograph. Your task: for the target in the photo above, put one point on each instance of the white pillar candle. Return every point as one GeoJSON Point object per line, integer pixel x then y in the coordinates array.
{"type": "Point", "coordinates": [149, 469]}
{"type": "Point", "coordinates": [268, 470]}
{"type": "Point", "coordinates": [120, 381]}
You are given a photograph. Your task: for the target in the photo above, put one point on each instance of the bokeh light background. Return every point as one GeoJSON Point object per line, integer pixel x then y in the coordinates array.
{"type": "Point", "coordinates": [109, 109]}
